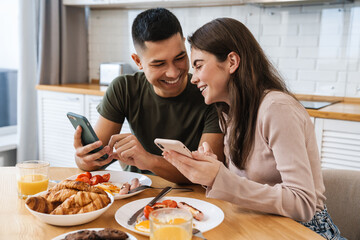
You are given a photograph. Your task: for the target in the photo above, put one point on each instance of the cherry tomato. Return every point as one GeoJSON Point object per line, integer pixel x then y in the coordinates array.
{"type": "Point", "coordinates": [106, 177]}
{"type": "Point", "coordinates": [147, 211]}
{"type": "Point", "coordinates": [96, 179]}
{"type": "Point", "coordinates": [170, 203]}
{"type": "Point", "coordinates": [86, 174]}
{"type": "Point", "coordinates": [83, 179]}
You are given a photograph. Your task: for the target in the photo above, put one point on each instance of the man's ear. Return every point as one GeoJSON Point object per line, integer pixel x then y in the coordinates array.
{"type": "Point", "coordinates": [234, 60]}
{"type": "Point", "coordinates": [137, 60]}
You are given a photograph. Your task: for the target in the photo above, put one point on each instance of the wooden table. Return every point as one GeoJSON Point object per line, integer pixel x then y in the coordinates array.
{"type": "Point", "coordinates": [16, 222]}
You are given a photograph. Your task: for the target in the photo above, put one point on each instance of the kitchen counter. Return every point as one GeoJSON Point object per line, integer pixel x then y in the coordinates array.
{"type": "Point", "coordinates": [345, 109]}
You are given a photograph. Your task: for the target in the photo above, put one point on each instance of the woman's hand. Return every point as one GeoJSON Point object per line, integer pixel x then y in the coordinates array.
{"type": "Point", "coordinates": [201, 169]}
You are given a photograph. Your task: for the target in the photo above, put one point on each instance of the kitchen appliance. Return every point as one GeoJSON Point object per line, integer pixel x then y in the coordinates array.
{"type": "Point", "coordinates": [111, 70]}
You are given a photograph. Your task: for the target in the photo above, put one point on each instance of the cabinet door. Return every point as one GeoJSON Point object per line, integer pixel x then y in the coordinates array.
{"type": "Point", "coordinates": [92, 114]}
{"type": "Point", "coordinates": [56, 134]}
{"type": "Point", "coordinates": [339, 143]}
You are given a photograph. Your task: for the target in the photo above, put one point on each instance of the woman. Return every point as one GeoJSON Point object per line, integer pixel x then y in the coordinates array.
{"type": "Point", "coordinates": [273, 164]}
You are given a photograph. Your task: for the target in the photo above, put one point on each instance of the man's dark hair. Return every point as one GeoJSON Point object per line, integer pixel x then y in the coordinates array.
{"type": "Point", "coordinates": [154, 25]}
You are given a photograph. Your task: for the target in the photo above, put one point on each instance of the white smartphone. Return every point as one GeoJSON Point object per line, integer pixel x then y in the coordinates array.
{"type": "Point", "coordinates": [175, 145]}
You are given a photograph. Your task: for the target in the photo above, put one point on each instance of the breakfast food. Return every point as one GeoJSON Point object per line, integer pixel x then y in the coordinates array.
{"type": "Point", "coordinates": [119, 188]}
{"type": "Point", "coordinates": [69, 197]}
{"type": "Point", "coordinates": [143, 225]}
{"type": "Point", "coordinates": [107, 233]}
{"type": "Point", "coordinates": [87, 177]}
{"type": "Point", "coordinates": [112, 234]}
{"type": "Point", "coordinates": [197, 214]}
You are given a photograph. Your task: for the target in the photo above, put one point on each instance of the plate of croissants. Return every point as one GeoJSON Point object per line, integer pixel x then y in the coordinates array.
{"type": "Point", "coordinates": [69, 203]}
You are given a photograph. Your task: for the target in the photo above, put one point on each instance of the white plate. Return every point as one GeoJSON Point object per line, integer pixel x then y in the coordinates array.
{"type": "Point", "coordinates": [62, 236]}
{"type": "Point", "coordinates": [213, 215]}
{"type": "Point", "coordinates": [121, 177]}
{"type": "Point", "coordinates": [73, 219]}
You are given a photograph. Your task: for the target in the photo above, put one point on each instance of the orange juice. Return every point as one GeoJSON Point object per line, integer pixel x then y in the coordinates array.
{"type": "Point", "coordinates": [170, 233]}
{"type": "Point", "coordinates": [32, 184]}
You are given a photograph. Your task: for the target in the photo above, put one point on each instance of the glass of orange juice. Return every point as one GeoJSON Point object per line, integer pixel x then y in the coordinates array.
{"type": "Point", "coordinates": [32, 177]}
{"type": "Point", "coordinates": [170, 224]}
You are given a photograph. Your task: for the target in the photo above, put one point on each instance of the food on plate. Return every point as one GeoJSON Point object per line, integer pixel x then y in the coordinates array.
{"type": "Point", "coordinates": [107, 233]}
{"type": "Point", "coordinates": [125, 188]}
{"type": "Point", "coordinates": [69, 197]}
{"type": "Point", "coordinates": [197, 214]}
{"type": "Point", "coordinates": [134, 183]}
{"type": "Point", "coordinates": [111, 233]}
{"type": "Point", "coordinates": [87, 177]}
{"type": "Point", "coordinates": [119, 188]}
{"type": "Point", "coordinates": [143, 224]}
{"type": "Point", "coordinates": [40, 204]}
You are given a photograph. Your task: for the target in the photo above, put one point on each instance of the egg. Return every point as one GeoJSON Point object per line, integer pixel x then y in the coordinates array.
{"type": "Point", "coordinates": [143, 226]}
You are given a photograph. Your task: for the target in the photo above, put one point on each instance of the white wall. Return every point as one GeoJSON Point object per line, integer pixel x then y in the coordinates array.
{"type": "Point", "coordinates": [316, 48]}
{"type": "Point", "coordinates": [9, 35]}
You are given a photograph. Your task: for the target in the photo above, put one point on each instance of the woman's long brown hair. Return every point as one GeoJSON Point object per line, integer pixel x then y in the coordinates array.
{"type": "Point", "coordinates": [247, 85]}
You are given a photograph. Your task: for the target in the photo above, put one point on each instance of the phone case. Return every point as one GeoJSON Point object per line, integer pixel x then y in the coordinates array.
{"type": "Point", "coordinates": [175, 145]}
{"type": "Point", "coordinates": [88, 134]}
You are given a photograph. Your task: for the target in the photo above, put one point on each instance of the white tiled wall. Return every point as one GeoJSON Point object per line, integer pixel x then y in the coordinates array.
{"type": "Point", "coordinates": [316, 48]}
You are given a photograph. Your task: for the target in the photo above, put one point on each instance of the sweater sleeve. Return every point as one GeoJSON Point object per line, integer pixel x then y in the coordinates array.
{"type": "Point", "coordinates": [282, 127]}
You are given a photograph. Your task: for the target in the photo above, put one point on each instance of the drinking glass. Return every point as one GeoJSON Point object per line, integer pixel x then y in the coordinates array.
{"type": "Point", "coordinates": [32, 177]}
{"type": "Point", "coordinates": [170, 224]}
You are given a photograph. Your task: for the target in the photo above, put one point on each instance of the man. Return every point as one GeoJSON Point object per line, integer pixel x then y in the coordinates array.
{"type": "Point", "coordinates": [159, 102]}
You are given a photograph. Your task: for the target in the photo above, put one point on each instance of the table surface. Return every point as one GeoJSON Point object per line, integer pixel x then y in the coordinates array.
{"type": "Point", "coordinates": [16, 222]}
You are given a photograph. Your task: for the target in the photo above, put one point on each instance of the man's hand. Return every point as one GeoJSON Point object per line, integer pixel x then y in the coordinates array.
{"type": "Point", "coordinates": [84, 159]}
{"type": "Point", "coordinates": [129, 150]}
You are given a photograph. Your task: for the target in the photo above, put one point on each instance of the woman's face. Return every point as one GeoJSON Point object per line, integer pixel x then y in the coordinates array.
{"type": "Point", "coordinates": [210, 76]}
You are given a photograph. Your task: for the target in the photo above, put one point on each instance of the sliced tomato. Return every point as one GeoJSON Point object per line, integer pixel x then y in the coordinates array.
{"type": "Point", "coordinates": [170, 203]}
{"type": "Point", "coordinates": [83, 179]}
{"type": "Point", "coordinates": [147, 211]}
{"type": "Point", "coordinates": [96, 179]}
{"type": "Point", "coordinates": [86, 174]}
{"type": "Point", "coordinates": [106, 177]}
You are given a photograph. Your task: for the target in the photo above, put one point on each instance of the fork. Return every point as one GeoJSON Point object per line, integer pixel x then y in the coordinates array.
{"type": "Point", "coordinates": [197, 233]}
{"type": "Point", "coordinates": [142, 187]}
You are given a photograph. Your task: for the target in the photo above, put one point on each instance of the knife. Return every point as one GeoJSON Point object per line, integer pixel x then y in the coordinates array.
{"type": "Point", "coordinates": [133, 218]}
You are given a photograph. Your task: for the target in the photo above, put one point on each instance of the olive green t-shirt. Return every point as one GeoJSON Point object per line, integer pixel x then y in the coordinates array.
{"type": "Point", "coordinates": [184, 117]}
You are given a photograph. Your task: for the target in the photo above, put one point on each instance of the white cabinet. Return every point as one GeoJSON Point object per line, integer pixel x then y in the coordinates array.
{"type": "Point", "coordinates": [339, 143]}
{"type": "Point", "coordinates": [56, 134]}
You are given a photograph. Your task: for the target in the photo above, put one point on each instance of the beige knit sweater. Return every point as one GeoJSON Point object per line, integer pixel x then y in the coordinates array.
{"type": "Point", "coordinates": [283, 173]}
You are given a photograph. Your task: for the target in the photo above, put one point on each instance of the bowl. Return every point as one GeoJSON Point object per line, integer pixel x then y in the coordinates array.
{"type": "Point", "coordinates": [73, 219]}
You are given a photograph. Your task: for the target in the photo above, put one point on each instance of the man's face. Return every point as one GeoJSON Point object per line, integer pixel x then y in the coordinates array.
{"type": "Point", "coordinates": [165, 64]}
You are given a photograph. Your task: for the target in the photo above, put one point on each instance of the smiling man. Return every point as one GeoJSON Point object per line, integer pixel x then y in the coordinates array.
{"type": "Point", "coordinates": [158, 102]}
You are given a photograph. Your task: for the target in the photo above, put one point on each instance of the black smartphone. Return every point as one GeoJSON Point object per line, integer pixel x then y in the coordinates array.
{"type": "Point", "coordinates": [88, 134]}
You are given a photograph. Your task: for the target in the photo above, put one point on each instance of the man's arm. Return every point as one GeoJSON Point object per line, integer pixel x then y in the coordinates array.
{"type": "Point", "coordinates": [216, 142]}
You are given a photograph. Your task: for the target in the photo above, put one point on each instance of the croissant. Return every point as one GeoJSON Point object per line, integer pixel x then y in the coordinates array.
{"type": "Point", "coordinates": [59, 196]}
{"type": "Point", "coordinates": [82, 202]}
{"type": "Point", "coordinates": [77, 185]}
{"type": "Point", "coordinates": [98, 203]}
{"type": "Point", "coordinates": [70, 184]}
{"type": "Point", "coordinates": [40, 204]}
